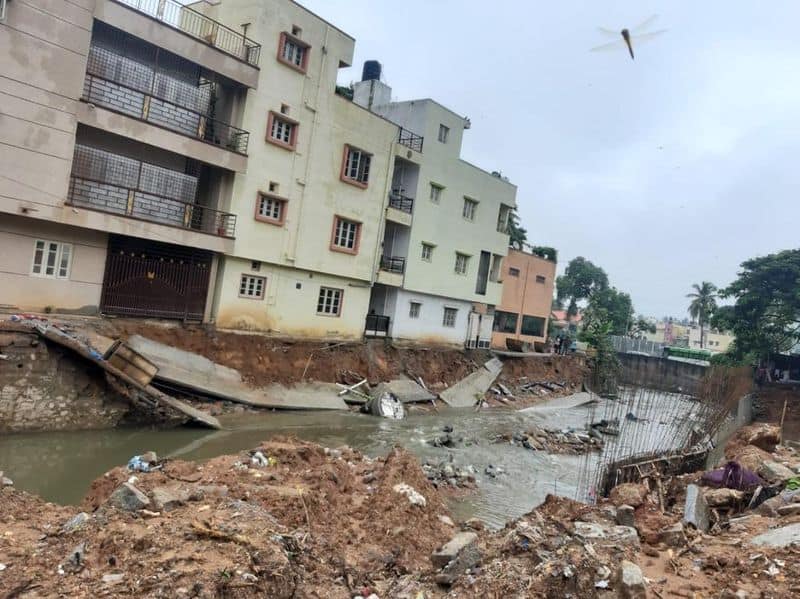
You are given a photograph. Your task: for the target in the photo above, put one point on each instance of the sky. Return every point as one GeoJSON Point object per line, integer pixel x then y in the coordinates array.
{"type": "Point", "coordinates": [665, 171]}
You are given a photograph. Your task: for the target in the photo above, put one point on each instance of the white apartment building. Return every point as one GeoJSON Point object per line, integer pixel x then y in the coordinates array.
{"type": "Point", "coordinates": [446, 228]}
{"type": "Point", "coordinates": [311, 204]}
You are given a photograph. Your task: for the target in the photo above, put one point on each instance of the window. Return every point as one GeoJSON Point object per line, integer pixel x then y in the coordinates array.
{"type": "Point", "coordinates": [282, 131]}
{"type": "Point", "coordinates": [330, 301]}
{"type": "Point", "coordinates": [436, 193]}
{"type": "Point", "coordinates": [252, 287]}
{"type": "Point", "coordinates": [540, 279]}
{"type": "Point", "coordinates": [292, 51]}
{"type": "Point", "coordinates": [271, 209]}
{"type": "Point", "coordinates": [345, 235]}
{"type": "Point", "coordinates": [462, 263]}
{"type": "Point", "coordinates": [449, 319]}
{"type": "Point", "coordinates": [505, 322]}
{"type": "Point", "coordinates": [51, 259]}
{"type": "Point", "coordinates": [355, 169]}
{"type": "Point", "coordinates": [427, 252]}
{"type": "Point", "coordinates": [513, 272]}
{"type": "Point", "coordinates": [503, 218]}
{"type": "Point", "coordinates": [533, 326]}
{"type": "Point", "coordinates": [413, 310]}
{"type": "Point", "coordinates": [444, 132]}
{"type": "Point", "coordinates": [470, 206]}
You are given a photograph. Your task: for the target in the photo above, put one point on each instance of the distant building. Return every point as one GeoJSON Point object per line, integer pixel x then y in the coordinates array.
{"type": "Point", "coordinates": [675, 334]}
{"type": "Point", "coordinates": [566, 324]}
{"type": "Point", "coordinates": [524, 310]}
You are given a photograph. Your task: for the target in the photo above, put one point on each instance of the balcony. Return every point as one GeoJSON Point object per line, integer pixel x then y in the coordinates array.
{"type": "Point", "coordinates": [200, 27]}
{"type": "Point", "coordinates": [410, 140]}
{"type": "Point", "coordinates": [394, 264]}
{"type": "Point", "coordinates": [120, 185]}
{"type": "Point", "coordinates": [400, 202]}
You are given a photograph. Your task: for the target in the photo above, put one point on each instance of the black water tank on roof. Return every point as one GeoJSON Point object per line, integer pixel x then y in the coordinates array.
{"type": "Point", "coordinates": [372, 70]}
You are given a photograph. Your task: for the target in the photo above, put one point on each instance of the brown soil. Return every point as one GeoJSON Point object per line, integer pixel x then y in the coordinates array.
{"type": "Point", "coordinates": [769, 407]}
{"type": "Point", "coordinates": [328, 523]}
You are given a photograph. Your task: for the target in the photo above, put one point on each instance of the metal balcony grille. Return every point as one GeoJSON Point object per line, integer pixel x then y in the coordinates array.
{"type": "Point", "coordinates": [400, 202]}
{"type": "Point", "coordinates": [200, 27]}
{"type": "Point", "coordinates": [410, 140]}
{"type": "Point", "coordinates": [393, 264]}
{"type": "Point", "coordinates": [120, 185]}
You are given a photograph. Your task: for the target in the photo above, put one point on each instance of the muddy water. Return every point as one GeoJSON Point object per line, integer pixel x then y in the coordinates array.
{"type": "Point", "coordinates": [60, 466]}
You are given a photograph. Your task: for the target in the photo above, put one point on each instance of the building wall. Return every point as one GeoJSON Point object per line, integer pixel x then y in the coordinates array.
{"type": "Point", "coordinates": [523, 295]}
{"type": "Point", "coordinates": [714, 341]}
{"type": "Point", "coordinates": [428, 327]}
{"type": "Point", "coordinates": [442, 224]}
{"type": "Point", "coordinates": [19, 289]}
{"type": "Point", "coordinates": [287, 310]}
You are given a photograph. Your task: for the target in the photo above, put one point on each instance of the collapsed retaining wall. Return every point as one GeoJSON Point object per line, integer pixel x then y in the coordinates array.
{"type": "Point", "coordinates": [43, 387]}
{"type": "Point", "coordinates": [661, 373]}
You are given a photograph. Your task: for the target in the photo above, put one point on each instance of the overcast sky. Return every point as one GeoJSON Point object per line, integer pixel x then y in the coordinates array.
{"type": "Point", "coordinates": [665, 171]}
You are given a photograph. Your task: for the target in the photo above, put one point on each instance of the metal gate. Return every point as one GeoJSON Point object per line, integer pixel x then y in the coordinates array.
{"type": "Point", "coordinates": [146, 278]}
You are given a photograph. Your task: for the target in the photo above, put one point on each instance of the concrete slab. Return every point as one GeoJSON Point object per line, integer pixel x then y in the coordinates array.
{"type": "Point", "coordinates": [469, 390]}
{"type": "Point", "coordinates": [198, 373]}
{"type": "Point", "coordinates": [779, 537]}
{"type": "Point", "coordinates": [405, 390]}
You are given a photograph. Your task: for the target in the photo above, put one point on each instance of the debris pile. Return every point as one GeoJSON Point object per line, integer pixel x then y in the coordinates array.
{"type": "Point", "coordinates": [567, 441]}
{"type": "Point", "coordinates": [446, 474]}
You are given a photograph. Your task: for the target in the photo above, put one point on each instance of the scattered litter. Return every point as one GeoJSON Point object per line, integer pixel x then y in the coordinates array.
{"type": "Point", "coordinates": [414, 497]}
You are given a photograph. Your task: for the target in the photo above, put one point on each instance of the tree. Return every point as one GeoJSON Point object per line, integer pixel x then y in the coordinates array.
{"type": "Point", "coordinates": [765, 316]}
{"type": "Point", "coordinates": [606, 366]}
{"type": "Point", "coordinates": [579, 281]}
{"type": "Point", "coordinates": [704, 302]}
{"type": "Point", "coordinates": [546, 252]}
{"type": "Point", "coordinates": [517, 234]}
{"type": "Point", "coordinates": [611, 307]}
{"type": "Point", "coordinates": [642, 325]}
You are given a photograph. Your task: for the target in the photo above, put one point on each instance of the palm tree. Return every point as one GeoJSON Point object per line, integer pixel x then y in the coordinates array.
{"type": "Point", "coordinates": [704, 302]}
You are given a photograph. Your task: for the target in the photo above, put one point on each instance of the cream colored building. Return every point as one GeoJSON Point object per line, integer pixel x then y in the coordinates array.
{"type": "Point", "coordinates": [119, 140]}
{"type": "Point", "coordinates": [439, 276]}
{"type": "Point", "coordinates": [310, 206]}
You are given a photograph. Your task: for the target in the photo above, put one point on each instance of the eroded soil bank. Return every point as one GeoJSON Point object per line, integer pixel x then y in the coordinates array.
{"type": "Point", "coordinates": [293, 519]}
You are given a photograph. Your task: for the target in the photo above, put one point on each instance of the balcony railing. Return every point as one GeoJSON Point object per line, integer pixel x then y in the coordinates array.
{"type": "Point", "coordinates": [410, 140]}
{"type": "Point", "coordinates": [200, 27]}
{"type": "Point", "coordinates": [400, 202]}
{"type": "Point", "coordinates": [393, 264]}
{"type": "Point", "coordinates": [377, 325]}
{"type": "Point", "coordinates": [147, 107]}
{"type": "Point", "coordinates": [120, 185]}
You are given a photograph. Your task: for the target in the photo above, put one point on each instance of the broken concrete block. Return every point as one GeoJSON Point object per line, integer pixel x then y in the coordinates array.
{"type": "Point", "coordinates": [695, 511]}
{"type": "Point", "coordinates": [607, 535]}
{"type": "Point", "coordinates": [672, 536]}
{"type": "Point", "coordinates": [630, 581]}
{"type": "Point", "coordinates": [789, 510]}
{"type": "Point", "coordinates": [129, 498]}
{"type": "Point", "coordinates": [467, 559]}
{"type": "Point", "coordinates": [414, 496]}
{"type": "Point", "coordinates": [625, 516]}
{"type": "Point", "coordinates": [450, 550]}
{"type": "Point", "coordinates": [723, 497]}
{"type": "Point", "coordinates": [169, 497]}
{"type": "Point", "coordinates": [779, 537]}
{"type": "Point", "coordinates": [775, 472]}
{"type": "Point", "coordinates": [632, 494]}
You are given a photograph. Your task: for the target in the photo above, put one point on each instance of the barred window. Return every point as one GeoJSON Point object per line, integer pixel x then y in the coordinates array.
{"type": "Point", "coordinates": [271, 208]}
{"type": "Point", "coordinates": [282, 130]}
{"type": "Point", "coordinates": [356, 165]}
{"type": "Point", "coordinates": [413, 311]}
{"type": "Point", "coordinates": [462, 263]}
{"type": "Point", "coordinates": [293, 52]}
{"type": "Point", "coordinates": [252, 287]}
{"type": "Point", "coordinates": [449, 319]}
{"type": "Point", "coordinates": [330, 301]}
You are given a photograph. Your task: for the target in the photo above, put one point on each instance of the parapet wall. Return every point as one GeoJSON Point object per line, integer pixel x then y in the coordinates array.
{"type": "Point", "coordinates": [661, 373]}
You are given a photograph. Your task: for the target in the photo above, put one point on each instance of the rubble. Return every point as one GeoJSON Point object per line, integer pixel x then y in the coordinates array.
{"type": "Point", "coordinates": [553, 441]}
{"type": "Point", "coordinates": [630, 581]}
{"type": "Point", "coordinates": [128, 497]}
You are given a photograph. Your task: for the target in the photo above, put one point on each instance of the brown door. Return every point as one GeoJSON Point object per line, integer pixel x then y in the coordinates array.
{"type": "Point", "coordinates": [147, 278]}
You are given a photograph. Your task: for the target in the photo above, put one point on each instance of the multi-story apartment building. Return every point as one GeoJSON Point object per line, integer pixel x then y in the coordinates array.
{"type": "Point", "coordinates": [119, 144]}
{"type": "Point", "coordinates": [522, 316]}
{"type": "Point", "coordinates": [446, 228]}
{"type": "Point", "coordinates": [310, 206]}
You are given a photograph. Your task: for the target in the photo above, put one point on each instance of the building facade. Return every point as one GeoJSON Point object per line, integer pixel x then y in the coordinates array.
{"type": "Point", "coordinates": [524, 310]}
{"type": "Point", "coordinates": [446, 228]}
{"type": "Point", "coordinates": [310, 206]}
{"type": "Point", "coordinates": [117, 155]}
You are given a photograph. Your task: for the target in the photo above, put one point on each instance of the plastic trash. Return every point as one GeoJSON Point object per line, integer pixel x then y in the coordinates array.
{"type": "Point", "coordinates": [137, 464]}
